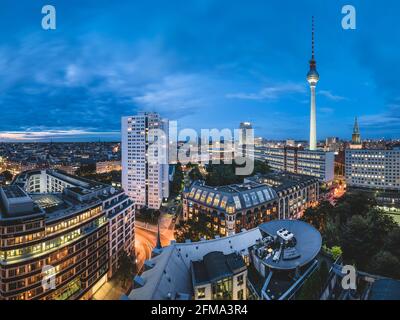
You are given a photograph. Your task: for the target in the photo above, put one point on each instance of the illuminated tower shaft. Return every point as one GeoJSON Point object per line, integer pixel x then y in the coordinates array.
{"type": "Point", "coordinates": [312, 78]}
{"type": "Point", "coordinates": [313, 121]}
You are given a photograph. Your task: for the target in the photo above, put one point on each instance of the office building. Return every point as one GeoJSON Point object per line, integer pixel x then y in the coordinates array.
{"type": "Point", "coordinates": [228, 209]}
{"type": "Point", "coordinates": [246, 139]}
{"type": "Point", "coordinates": [61, 231]}
{"type": "Point", "coordinates": [373, 169]}
{"type": "Point", "coordinates": [145, 159]}
{"type": "Point", "coordinates": [317, 163]}
{"type": "Point", "coordinates": [296, 192]}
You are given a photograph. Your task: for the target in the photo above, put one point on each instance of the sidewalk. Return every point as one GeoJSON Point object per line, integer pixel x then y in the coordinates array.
{"type": "Point", "coordinates": [109, 291]}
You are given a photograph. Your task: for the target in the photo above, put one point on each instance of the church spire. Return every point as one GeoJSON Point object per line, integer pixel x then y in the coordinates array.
{"type": "Point", "coordinates": [158, 244]}
{"type": "Point", "coordinates": [356, 137]}
{"type": "Point", "coordinates": [356, 128]}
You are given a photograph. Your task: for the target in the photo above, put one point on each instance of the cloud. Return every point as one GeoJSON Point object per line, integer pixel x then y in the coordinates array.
{"type": "Point", "coordinates": [90, 84]}
{"type": "Point", "coordinates": [330, 95]}
{"type": "Point", "coordinates": [270, 93]}
{"type": "Point", "coordinates": [54, 135]}
{"type": "Point", "coordinates": [326, 110]}
{"type": "Point", "coordinates": [386, 123]}
{"type": "Point", "coordinates": [178, 94]}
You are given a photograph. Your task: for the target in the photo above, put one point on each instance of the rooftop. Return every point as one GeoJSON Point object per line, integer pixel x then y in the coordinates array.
{"type": "Point", "coordinates": [215, 266]}
{"type": "Point", "coordinates": [13, 192]}
{"type": "Point", "coordinates": [170, 277]}
{"type": "Point", "coordinates": [239, 196]}
{"type": "Point", "coordinates": [76, 194]}
{"type": "Point", "coordinates": [288, 244]}
{"type": "Point", "coordinates": [385, 289]}
{"type": "Point", "coordinates": [283, 180]}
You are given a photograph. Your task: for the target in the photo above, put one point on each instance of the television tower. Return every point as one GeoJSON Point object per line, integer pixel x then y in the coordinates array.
{"type": "Point", "coordinates": [312, 78]}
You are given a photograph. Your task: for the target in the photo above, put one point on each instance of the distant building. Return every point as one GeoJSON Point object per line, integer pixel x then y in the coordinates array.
{"type": "Point", "coordinates": [221, 151]}
{"type": "Point", "coordinates": [108, 166]}
{"type": "Point", "coordinates": [290, 143]}
{"type": "Point", "coordinates": [356, 137]}
{"type": "Point", "coordinates": [244, 140]}
{"type": "Point", "coordinates": [62, 230]}
{"type": "Point", "coordinates": [331, 140]}
{"type": "Point", "coordinates": [229, 209]}
{"type": "Point", "coordinates": [145, 172]}
{"type": "Point", "coordinates": [316, 163]}
{"type": "Point", "coordinates": [296, 192]}
{"type": "Point", "coordinates": [219, 277]}
{"type": "Point", "coordinates": [373, 169]}
{"type": "Point", "coordinates": [259, 141]}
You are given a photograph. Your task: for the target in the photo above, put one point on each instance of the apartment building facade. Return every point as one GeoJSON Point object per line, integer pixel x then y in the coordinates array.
{"type": "Point", "coordinates": [145, 159]}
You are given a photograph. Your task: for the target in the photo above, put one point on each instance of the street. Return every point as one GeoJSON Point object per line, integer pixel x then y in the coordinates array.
{"type": "Point", "coordinates": [146, 238]}
{"type": "Point", "coordinates": [145, 241]}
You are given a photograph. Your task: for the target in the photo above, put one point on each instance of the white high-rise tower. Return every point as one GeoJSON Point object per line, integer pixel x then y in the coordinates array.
{"type": "Point", "coordinates": [312, 78]}
{"type": "Point", "coordinates": [145, 159]}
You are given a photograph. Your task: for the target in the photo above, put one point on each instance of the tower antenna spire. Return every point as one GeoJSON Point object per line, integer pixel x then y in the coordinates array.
{"type": "Point", "coordinates": [312, 78]}
{"type": "Point", "coordinates": [312, 38]}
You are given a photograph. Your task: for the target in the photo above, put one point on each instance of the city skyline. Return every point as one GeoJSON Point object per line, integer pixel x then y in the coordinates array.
{"type": "Point", "coordinates": [101, 63]}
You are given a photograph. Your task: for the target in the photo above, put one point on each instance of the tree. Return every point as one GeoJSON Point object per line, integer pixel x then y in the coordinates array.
{"type": "Point", "coordinates": [148, 215]}
{"type": "Point", "coordinates": [86, 169]}
{"type": "Point", "coordinates": [261, 167]}
{"type": "Point", "coordinates": [352, 204]}
{"type": "Point", "coordinates": [318, 216]}
{"type": "Point", "coordinates": [189, 165]}
{"type": "Point", "coordinates": [195, 230]}
{"type": "Point", "coordinates": [385, 264]}
{"type": "Point", "coordinates": [225, 174]}
{"type": "Point", "coordinates": [392, 242]}
{"type": "Point", "coordinates": [355, 227]}
{"type": "Point", "coordinates": [357, 242]}
{"type": "Point", "coordinates": [195, 174]}
{"type": "Point", "coordinates": [126, 269]}
{"type": "Point", "coordinates": [8, 176]}
{"type": "Point", "coordinates": [107, 177]}
{"type": "Point", "coordinates": [311, 289]}
{"type": "Point", "coordinates": [177, 182]}
{"type": "Point", "coordinates": [331, 235]}
{"type": "Point", "coordinates": [323, 274]}
{"type": "Point", "coordinates": [336, 252]}
{"type": "Point", "coordinates": [222, 174]}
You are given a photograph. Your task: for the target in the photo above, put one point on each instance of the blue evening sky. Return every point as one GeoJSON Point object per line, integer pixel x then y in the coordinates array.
{"type": "Point", "coordinates": [204, 63]}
